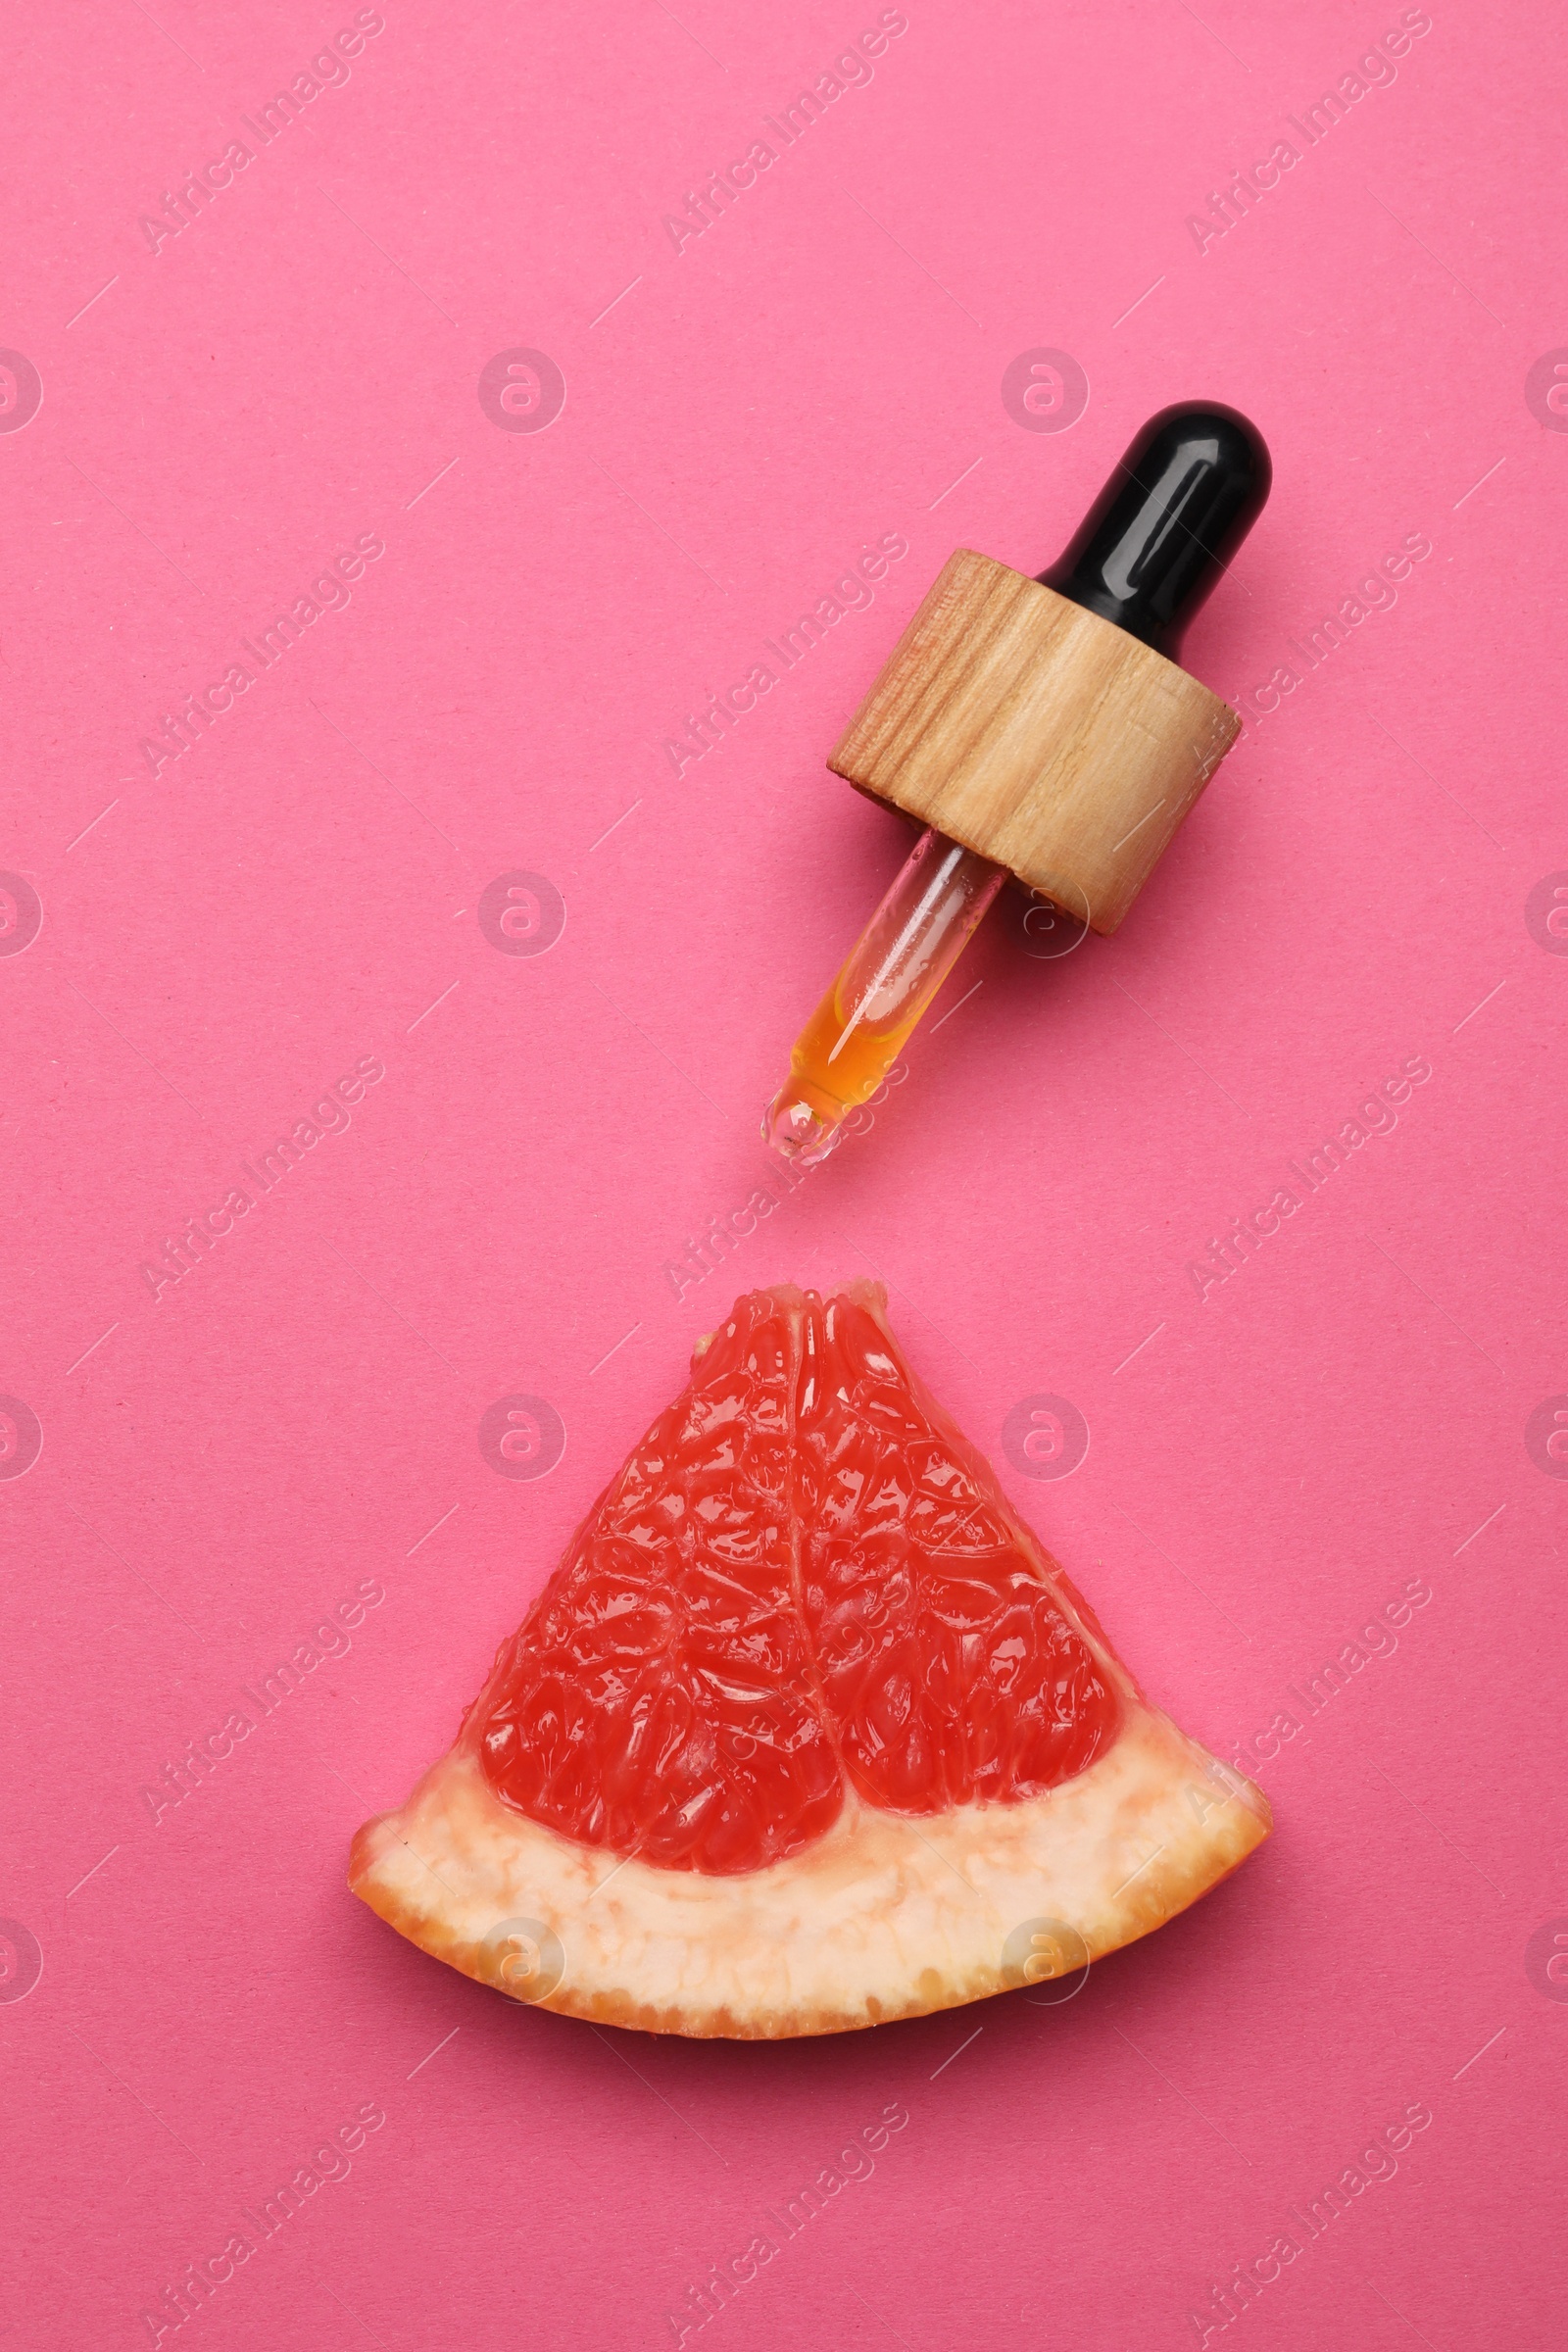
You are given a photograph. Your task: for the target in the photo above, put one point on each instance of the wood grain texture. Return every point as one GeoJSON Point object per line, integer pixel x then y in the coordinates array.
{"type": "Point", "coordinates": [1038, 734]}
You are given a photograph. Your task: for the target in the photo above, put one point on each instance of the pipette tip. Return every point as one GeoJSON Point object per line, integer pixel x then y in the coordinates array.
{"type": "Point", "coordinates": [796, 1131]}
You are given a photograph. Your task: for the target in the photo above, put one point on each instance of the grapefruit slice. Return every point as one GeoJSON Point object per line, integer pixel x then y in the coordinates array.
{"type": "Point", "coordinates": [808, 1730]}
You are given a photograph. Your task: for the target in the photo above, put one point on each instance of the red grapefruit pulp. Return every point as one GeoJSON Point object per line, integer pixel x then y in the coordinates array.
{"type": "Point", "coordinates": [801, 1660]}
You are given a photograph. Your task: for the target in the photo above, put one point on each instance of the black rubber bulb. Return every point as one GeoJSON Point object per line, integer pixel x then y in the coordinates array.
{"type": "Point", "coordinates": [1174, 512]}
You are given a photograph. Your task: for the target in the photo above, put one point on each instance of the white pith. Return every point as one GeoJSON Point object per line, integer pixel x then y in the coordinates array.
{"type": "Point", "coordinates": [884, 1917]}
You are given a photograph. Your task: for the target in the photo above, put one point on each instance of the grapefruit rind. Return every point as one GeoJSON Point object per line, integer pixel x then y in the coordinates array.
{"type": "Point", "coordinates": [884, 1917]}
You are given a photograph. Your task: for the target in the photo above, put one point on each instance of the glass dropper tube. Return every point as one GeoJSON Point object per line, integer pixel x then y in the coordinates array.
{"type": "Point", "coordinates": [882, 989]}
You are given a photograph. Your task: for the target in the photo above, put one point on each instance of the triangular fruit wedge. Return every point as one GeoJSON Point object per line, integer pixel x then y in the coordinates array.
{"type": "Point", "coordinates": [807, 1732]}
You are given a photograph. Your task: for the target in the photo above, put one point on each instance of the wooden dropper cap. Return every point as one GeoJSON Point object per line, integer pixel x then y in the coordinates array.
{"type": "Point", "coordinates": [1046, 723]}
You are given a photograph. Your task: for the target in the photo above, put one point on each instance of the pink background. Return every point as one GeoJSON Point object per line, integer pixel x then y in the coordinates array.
{"type": "Point", "coordinates": [225, 938]}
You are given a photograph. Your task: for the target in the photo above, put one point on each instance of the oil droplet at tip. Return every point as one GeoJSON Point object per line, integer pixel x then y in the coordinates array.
{"type": "Point", "coordinates": [796, 1132]}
